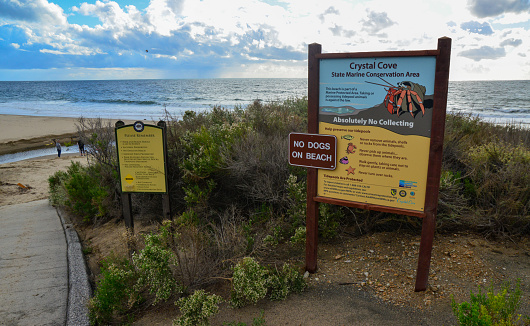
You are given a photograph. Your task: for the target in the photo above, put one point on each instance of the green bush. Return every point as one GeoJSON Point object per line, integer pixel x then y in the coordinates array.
{"type": "Point", "coordinates": [57, 190]}
{"type": "Point", "coordinates": [299, 236]}
{"type": "Point", "coordinates": [485, 185]}
{"type": "Point", "coordinates": [115, 292]}
{"type": "Point", "coordinates": [284, 282]}
{"type": "Point", "coordinates": [249, 283]}
{"type": "Point", "coordinates": [80, 190]}
{"type": "Point", "coordinates": [154, 264]}
{"type": "Point", "coordinates": [85, 193]}
{"type": "Point", "coordinates": [197, 309]}
{"type": "Point", "coordinates": [490, 309]}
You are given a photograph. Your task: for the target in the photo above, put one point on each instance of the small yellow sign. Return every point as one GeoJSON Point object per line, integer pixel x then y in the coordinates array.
{"type": "Point", "coordinates": [141, 158]}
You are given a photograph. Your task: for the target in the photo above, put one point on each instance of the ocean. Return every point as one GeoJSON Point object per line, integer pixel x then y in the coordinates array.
{"type": "Point", "coordinates": [495, 101]}
{"type": "Point", "coordinates": [499, 102]}
{"type": "Point", "coordinates": [140, 99]}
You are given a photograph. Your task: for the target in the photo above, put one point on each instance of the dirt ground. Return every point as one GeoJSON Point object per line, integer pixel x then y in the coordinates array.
{"type": "Point", "coordinates": [366, 280]}
{"type": "Point", "coordinates": [25, 181]}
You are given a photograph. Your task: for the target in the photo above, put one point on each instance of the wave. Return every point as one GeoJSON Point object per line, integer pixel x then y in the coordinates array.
{"type": "Point", "coordinates": [119, 101]}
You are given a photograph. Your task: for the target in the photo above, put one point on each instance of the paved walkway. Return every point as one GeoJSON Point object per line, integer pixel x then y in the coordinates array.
{"type": "Point", "coordinates": [34, 260]}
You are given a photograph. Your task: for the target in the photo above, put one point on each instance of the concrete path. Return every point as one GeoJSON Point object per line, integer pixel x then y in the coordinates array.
{"type": "Point", "coordinates": [33, 265]}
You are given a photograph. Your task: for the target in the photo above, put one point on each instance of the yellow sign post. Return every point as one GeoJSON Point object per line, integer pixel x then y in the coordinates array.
{"type": "Point", "coordinates": [142, 164]}
{"type": "Point", "coordinates": [141, 158]}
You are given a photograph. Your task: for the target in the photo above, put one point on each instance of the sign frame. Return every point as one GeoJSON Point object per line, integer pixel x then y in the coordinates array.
{"type": "Point", "coordinates": [441, 82]}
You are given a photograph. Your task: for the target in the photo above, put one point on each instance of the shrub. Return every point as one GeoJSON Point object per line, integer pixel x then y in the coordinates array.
{"type": "Point", "coordinates": [249, 283]}
{"type": "Point", "coordinates": [57, 190]}
{"type": "Point", "coordinates": [197, 309]}
{"type": "Point", "coordinates": [115, 293]}
{"type": "Point", "coordinates": [285, 281]}
{"type": "Point", "coordinates": [452, 202]}
{"type": "Point", "coordinates": [80, 190]}
{"type": "Point", "coordinates": [154, 268]}
{"type": "Point", "coordinates": [122, 281]}
{"type": "Point", "coordinates": [297, 197]}
{"type": "Point", "coordinates": [85, 193]}
{"type": "Point", "coordinates": [490, 308]}
{"type": "Point", "coordinates": [299, 236]}
{"type": "Point", "coordinates": [485, 169]}
{"type": "Point", "coordinates": [501, 186]}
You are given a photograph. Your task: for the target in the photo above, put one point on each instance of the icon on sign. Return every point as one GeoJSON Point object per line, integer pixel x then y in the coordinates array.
{"type": "Point", "coordinates": [393, 192]}
{"type": "Point", "coordinates": [402, 193]}
{"type": "Point", "coordinates": [139, 126]}
{"type": "Point", "coordinates": [407, 184]}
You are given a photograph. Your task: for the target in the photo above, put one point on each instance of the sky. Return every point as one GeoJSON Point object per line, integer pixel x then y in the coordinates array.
{"type": "Point", "coordinates": [136, 39]}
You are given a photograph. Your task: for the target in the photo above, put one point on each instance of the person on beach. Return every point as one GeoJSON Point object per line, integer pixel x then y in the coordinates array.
{"type": "Point", "coordinates": [58, 146]}
{"type": "Point", "coordinates": [81, 146]}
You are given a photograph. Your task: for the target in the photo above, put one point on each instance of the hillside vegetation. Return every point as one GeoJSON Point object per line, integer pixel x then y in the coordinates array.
{"type": "Point", "coordinates": [234, 195]}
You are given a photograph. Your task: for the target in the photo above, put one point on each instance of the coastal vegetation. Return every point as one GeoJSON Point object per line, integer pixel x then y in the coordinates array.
{"type": "Point", "coordinates": [237, 203]}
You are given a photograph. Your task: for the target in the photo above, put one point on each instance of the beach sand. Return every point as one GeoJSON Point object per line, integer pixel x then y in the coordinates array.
{"type": "Point", "coordinates": [22, 133]}
{"type": "Point", "coordinates": [19, 133]}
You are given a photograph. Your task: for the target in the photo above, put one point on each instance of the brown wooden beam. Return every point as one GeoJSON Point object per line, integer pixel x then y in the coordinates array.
{"type": "Point", "coordinates": [312, 127]}
{"type": "Point", "coordinates": [419, 53]}
{"type": "Point", "coordinates": [441, 85]}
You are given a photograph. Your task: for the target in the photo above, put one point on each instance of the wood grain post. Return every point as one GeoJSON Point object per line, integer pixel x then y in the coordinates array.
{"type": "Point", "coordinates": [312, 128]}
{"type": "Point", "coordinates": [441, 85]}
{"type": "Point", "coordinates": [166, 203]}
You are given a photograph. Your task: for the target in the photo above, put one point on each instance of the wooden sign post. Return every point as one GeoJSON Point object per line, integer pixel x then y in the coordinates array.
{"type": "Point", "coordinates": [142, 162]}
{"type": "Point", "coordinates": [387, 109]}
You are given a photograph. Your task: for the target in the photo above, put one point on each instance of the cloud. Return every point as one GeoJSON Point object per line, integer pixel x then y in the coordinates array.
{"type": "Point", "coordinates": [512, 42]}
{"type": "Point", "coordinates": [204, 37]}
{"type": "Point", "coordinates": [330, 11]}
{"type": "Point", "coordinates": [492, 8]}
{"type": "Point", "coordinates": [112, 16]}
{"type": "Point", "coordinates": [340, 31]}
{"type": "Point", "coordinates": [476, 27]}
{"type": "Point", "coordinates": [376, 22]}
{"type": "Point", "coordinates": [38, 11]}
{"type": "Point", "coordinates": [484, 52]}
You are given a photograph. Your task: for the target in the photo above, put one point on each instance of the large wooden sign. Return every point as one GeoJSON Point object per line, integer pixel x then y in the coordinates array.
{"type": "Point", "coordinates": [141, 158]}
{"type": "Point", "coordinates": [387, 111]}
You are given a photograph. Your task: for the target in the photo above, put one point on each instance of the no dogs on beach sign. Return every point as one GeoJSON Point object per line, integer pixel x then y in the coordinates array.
{"type": "Point", "coordinates": [313, 151]}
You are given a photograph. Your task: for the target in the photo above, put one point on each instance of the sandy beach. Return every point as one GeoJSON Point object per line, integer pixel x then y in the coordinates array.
{"type": "Point", "coordinates": [19, 133]}
{"type": "Point", "coordinates": [22, 133]}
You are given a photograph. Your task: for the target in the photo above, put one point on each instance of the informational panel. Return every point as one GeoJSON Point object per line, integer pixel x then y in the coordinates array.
{"type": "Point", "coordinates": [313, 151]}
{"type": "Point", "coordinates": [380, 110]}
{"type": "Point", "coordinates": [141, 158]}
